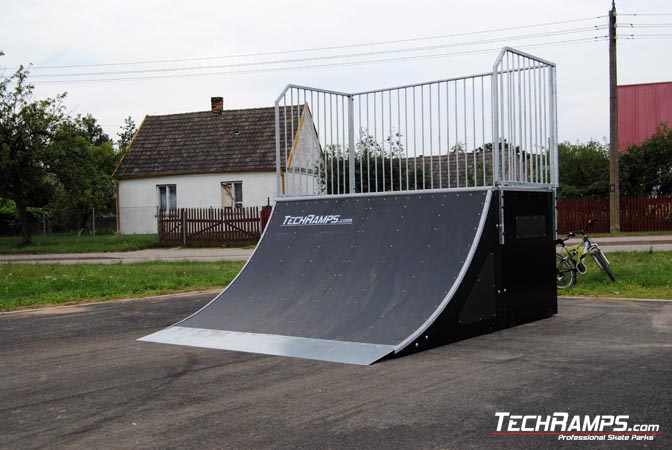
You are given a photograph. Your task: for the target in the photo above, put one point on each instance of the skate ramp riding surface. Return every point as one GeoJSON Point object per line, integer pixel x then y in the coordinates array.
{"type": "Point", "coordinates": [346, 279]}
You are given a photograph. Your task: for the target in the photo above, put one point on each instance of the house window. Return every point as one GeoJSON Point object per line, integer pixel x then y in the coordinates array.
{"type": "Point", "coordinates": [167, 197]}
{"type": "Point", "coordinates": [232, 194]}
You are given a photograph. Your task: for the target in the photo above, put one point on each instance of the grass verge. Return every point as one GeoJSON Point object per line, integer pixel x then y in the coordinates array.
{"type": "Point", "coordinates": [24, 285]}
{"type": "Point", "coordinates": [638, 275]}
{"type": "Point", "coordinates": [66, 243]}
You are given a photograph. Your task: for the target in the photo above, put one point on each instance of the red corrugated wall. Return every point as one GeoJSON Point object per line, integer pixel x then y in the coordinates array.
{"type": "Point", "coordinates": [641, 108]}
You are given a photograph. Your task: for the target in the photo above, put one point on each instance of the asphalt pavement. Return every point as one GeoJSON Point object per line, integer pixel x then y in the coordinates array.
{"type": "Point", "coordinates": [75, 377]}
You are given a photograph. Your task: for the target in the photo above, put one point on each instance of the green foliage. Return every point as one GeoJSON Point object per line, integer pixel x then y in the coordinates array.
{"type": "Point", "coordinates": [49, 160]}
{"type": "Point", "coordinates": [381, 167]}
{"type": "Point", "coordinates": [128, 130]}
{"type": "Point", "coordinates": [647, 168]}
{"type": "Point", "coordinates": [84, 159]}
{"type": "Point", "coordinates": [584, 169]}
{"type": "Point", "coordinates": [27, 128]}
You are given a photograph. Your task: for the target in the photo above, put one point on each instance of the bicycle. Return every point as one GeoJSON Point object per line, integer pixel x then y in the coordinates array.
{"type": "Point", "coordinates": [569, 262]}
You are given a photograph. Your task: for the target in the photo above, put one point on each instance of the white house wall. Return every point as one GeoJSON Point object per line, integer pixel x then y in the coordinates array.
{"type": "Point", "coordinates": [300, 177]}
{"type": "Point", "coordinates": [139, 197]}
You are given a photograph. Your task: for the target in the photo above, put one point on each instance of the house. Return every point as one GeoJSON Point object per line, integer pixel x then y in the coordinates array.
{"type": "Point", "coordinates": [208, 159]}
{"type": "Point", "coordinates": [641, 109]}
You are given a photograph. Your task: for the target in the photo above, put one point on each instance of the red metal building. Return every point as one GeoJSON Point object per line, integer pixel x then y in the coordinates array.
{"type": "Point", "coordinates": [641, 108]}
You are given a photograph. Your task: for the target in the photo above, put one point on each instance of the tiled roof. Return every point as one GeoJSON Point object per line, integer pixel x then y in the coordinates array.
{"type": "Point", "coordinates": [202, 142]}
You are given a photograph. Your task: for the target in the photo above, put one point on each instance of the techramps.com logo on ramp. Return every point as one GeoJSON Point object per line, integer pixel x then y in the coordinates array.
{"type": "Point", "coordinates": [576, 427]}
{"type": "Point", "coordinates": [313, 219]}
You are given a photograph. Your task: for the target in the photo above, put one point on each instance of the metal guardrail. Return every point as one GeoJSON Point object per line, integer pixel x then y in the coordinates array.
{"type": "Point", "coordinates": [491, 129]}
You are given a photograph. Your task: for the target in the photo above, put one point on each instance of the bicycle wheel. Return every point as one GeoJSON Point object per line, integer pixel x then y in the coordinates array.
{"type": "Point", "coordinates": [565, 274]}
{"type": "Point", "coordinates": [603, 263]}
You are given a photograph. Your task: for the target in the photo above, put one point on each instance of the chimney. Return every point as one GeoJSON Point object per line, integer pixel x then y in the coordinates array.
{"type": "Point", "coordinates": [217, 104]}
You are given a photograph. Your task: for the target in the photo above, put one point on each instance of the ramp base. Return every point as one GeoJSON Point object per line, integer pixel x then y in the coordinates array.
{"type": "Point", "coordinates": [271, 344]}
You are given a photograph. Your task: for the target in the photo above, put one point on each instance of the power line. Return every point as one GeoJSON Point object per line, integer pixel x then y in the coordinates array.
{"type": "Point", "coordinates": [322, 58]}
{"type": "Point", "coordinates": [320, 66]}
{"type": "Point", "coordinates": [335, 47]}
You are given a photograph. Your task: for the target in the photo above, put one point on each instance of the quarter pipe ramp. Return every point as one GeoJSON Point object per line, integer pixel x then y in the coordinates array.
{"type": "Point", "coordinates": [355, 279]}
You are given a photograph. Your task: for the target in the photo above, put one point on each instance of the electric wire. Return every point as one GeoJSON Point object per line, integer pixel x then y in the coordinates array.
{"type": "Point", "coordinates": [333, 47]}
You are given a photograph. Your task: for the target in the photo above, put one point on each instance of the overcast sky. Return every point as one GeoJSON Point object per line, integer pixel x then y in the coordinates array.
{"type": "Point", "coordinates": [75, 33]}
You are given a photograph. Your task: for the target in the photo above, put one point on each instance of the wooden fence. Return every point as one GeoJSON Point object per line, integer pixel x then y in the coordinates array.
{"type": "Point", "coordinates": [637, 214]}
{"type": "Point", "coordinates": [212, 226]}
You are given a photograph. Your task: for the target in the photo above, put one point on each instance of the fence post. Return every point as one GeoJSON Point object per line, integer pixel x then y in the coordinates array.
{"type": "Point", "coordinates": [351, 143]}
{"type": "Point", "coordinates": [183, 213]}
{"type": "Point", "coordinates": [93, 221]}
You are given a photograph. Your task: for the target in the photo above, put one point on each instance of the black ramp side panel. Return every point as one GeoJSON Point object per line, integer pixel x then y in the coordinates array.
{"type": "Point", "coordinates": [368, 269]}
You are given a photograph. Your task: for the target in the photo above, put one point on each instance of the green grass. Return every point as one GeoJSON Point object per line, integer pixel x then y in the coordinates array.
{"type": "Point", "coordinates": [66, 243]}
{"type": "Point", "coordinates": [35, 284]}
{"type": "Point", "coordinates": [638, 275]}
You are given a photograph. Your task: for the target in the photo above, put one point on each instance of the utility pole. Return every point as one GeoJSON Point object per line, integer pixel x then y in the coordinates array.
{"type": "Point", "coordinates": [614, 188]}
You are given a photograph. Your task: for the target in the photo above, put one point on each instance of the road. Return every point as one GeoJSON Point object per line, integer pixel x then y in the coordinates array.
{"type": "Point", "coordinates": [75, 377]}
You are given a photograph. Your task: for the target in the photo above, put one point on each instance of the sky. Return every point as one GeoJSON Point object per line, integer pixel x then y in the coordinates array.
{"type": "Point", "coordinates": [201, 46]}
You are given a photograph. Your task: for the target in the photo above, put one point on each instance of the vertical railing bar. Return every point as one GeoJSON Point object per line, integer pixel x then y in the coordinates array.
{"type": "Point", "coordinates": [528, 122]}
{"type": "Point", "coordinates": [415, 144]}
{"type": "Point", "coordinates": [284, 181]}
{"type": "Point", "coordinates": [278, 181]}
{"type": "Point", "coordinates": [448, 157]}
{"type": "Point", "coordinates": [351, 142]}
{"type": "Point", "coordinates": [338, 149]}
{"type": "Point", "coordinates": [382, 138]}
{"type": "Point", "coordinates": [406, 133]}
{"type": "Point", "coordinates": [485, 181]}
{"type": "Point", "coordinates": [535, 162]}
{"type": "Point", "coordinates": [345, 143]}
{"type": "Point", "coordinates": [500, 131]}
{"type": "Point", "coordinates": [438, 127]}
{"type": "Point", "coordinates": [554, 126]}
{"type": "Point", "coordinates": [422, 135]}
{"type": "Point", "coordinates": [389, 105]}
{"type": "Point", "coordinates": [359, 134]}
{"type": "Point", "coordinates": [303, 175]}
{"type": "Point", "coordinates": [513, 174]}
{"type": "Point", "coordinates": [466, 133]}
{"type": "Point", "coordinates": [473, 123]}
{"type": "Point", "coordinates": [312, 152]}
{"type": "Point", "coordinates": [544, 135]}
{"type": "Point", "coordinates": [399, 156]}
{"type": "Point", "coordinates": [325, 158]}
{"type": "Point", "coordinates": [368, 151]}
{"type": "Point", "coordinates": [375, 139]}
{"type": "Point", "coordinates": [291, 139]}
{"type": "Point", "coordinates": [457, 140]}
{"type": "Point", "coordinates": [522, 115]}
{"type": "Point", "coordinates": [431, 139]}
{"type": "Point", "coordinates": [330, 143]}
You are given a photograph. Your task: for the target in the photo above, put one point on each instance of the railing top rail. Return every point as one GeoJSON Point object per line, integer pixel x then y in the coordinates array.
{"type": "Point", "coordinates": [506, 50]}
{"type": "Point", "coordinates": [424, 83]}
{"type": "Point", "coordinates": [308, 88]}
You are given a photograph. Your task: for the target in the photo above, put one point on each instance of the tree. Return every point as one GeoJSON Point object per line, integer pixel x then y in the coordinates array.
{"type": "Point", "coordinates": [381, 167]}
{"type": "Point", "coordinates": [584, 169]}
{"type": "Point", "coordinates": [27, 127]}
{"type": "Point", "coordinates": [84, 158]}
{"type": "Point", "coordinates": [647, 168]}
{"type": "Point", "coordinates": [128, 130]}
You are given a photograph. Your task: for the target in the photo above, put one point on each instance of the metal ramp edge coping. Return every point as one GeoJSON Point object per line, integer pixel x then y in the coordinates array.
{"type": "Point", "coordinates": [359, 353]}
